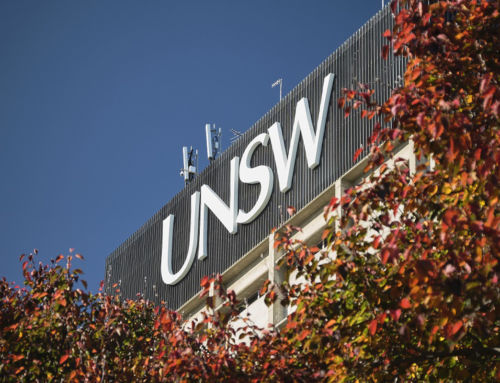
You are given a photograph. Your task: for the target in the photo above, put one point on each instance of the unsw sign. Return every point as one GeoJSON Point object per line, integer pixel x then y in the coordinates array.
{"type": "Point", "coordinates": [230, 215]}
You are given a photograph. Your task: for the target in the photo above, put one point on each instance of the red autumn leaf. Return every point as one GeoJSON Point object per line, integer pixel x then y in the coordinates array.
{"type": "Point", "coordinates": [395, 314]}
{"type": "Point", "coordinates": [291, 325]}
{"type": "Point", "coordinates": [15, 358]}
{"type": "Point", "coordinates": [490, 218]}
{"type": "Point", "coordinates": [357, 153]}
{"type": "Point", "coordinates": [347, 111]}
{"type": "Point", "coordinates": [426, 18]}
{"type": "Point", "coordinates": [477, 154]}
{"type": "Point", "coordinates": [387, 33]}
{"type": "Point", "coordinates": [314, 249]}
{"type": "Point", "coordinates": [63, 358]}
{"type": "Point", "coordinates": [40, 295]}
{"type": "Point", "coordinates": [452, 151]}
{"type": "Point", "coordinates": [405, 303]}
{"type": "Point", "coordinates": [373, 327]}
{"type": "Point", "coordinates": [205, 281]}
{"type": "Point", "coordinates": [291, 210]}
{"type": "Point", "coordinates": [385, 255]}
{"type": "Point", "coordinates": [303, 334]}
{"type": "Point", "coordinates": [341, 102]}
{"type": "Point", "coordinates": [450, 216]}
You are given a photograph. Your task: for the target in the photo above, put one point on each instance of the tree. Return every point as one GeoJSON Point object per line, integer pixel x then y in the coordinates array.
{"type": "Point", "coordinates": [416, 294]}
{"type": "Point", "coordinates": [407, 289]}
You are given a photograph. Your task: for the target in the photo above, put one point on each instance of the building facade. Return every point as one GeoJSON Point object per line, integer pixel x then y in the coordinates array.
{"type": "Point", "coordinates": [300, 153]}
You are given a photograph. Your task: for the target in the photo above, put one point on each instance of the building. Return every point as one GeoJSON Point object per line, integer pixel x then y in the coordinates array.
{"type": "Point", "coordinates": [299, 154]}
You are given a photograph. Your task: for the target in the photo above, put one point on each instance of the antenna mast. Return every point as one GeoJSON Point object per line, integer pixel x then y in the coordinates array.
{"type": "Point", "coordinates": [189, 159]}
{"type": "Point", "coordinates": [280, 83]}
{"type": "Point", "coordinates": [213, 141]}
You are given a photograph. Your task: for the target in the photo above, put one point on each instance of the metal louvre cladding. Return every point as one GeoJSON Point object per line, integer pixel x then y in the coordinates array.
{"type": "Point", "coordinates": [135, 265]}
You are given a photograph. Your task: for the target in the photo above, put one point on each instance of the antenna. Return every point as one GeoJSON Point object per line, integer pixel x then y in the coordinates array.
{"type": "Point", "coordinates": [188, 170]}
{"type": "Point", "coordinates": [236, 135]}
{"type": "Point", "coordinates": [280, 83]}
{"type": "Point", "coordinates": [213, 141]}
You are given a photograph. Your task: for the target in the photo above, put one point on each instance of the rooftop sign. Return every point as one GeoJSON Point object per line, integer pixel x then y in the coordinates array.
{"type": "Point", "coordinates": [230, 216]}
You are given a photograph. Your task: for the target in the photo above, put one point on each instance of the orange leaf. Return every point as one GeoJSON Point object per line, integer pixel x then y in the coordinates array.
{"type": "Point", "coordinates": [15, 358]}
{"type": "Point", "coordinates": [330, 323]}
{"type": "Point", "coordinates": [491, 216]}
{"type": "Point", "coordinates": [373, 327]}
{"type": "Point", "coordinates": [358, 152]}
{"type": "Point", "coordinates": [385, 255]}
{"type": "Point", "coordinates": [19, 370]}
{"type": "Point", "coordinates": [303, 334]}
{"type": "Point", "coordinates": [456, 327]}
{"type": "Point", "coordinates": [63, 358]}
{"type": "Point", "coordinates": [291, 325]}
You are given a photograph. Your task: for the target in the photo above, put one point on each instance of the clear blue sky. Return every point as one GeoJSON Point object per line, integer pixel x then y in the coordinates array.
{"type": "Point", "coordinates": [97, 99]}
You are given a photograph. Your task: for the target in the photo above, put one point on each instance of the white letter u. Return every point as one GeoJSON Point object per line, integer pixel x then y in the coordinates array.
{"type": "Point", "coordinates": [167, 275]}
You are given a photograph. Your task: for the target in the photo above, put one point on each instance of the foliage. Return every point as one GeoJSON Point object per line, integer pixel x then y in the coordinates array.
{"type": "Point", "coordinates": [407, 289]}
{"type": "Point", "coordinates": [416, 291]}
